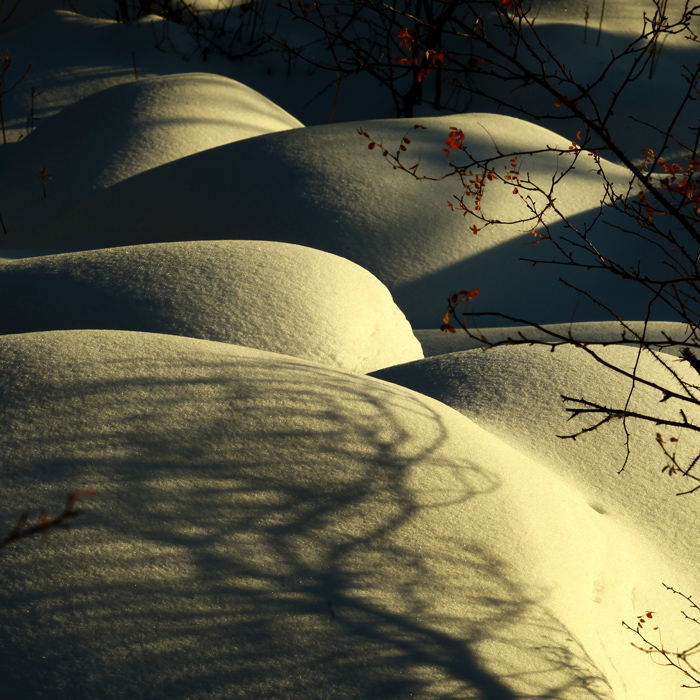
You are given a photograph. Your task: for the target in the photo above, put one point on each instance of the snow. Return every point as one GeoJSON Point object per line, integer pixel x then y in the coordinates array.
{"type": "Point", "coordinates": [437, 342]}
{"type": "Point", "coordinates": [190, 318]}
{"type": "Point", "coordinates": [121, 131]}
{"type": "Point", "coordinates": [399, 229]}
{"type": "Point", "coordinates": [495, 389]}
{"type": "Point", "coordinates": [261, 294]}
{"type": "Point", "coordinates": [242, 492]}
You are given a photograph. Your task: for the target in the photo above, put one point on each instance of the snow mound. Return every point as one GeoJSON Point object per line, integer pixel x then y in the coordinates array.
{"type": "Point", "coordinates": [516, 393]}
{"type": "Point", "coordinates": [321, 187]}
{"type": "Point", "coordinates": [271, 296]}
{"type": "Point", "coordinates": [266, 527]}
{"type": "Point", "coordinates": [124, 130]}
{"type": "Point", "coordinates": [74, 56]}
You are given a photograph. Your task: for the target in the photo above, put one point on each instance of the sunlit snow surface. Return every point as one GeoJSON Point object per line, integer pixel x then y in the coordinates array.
{"type": "Point", "coordinates": [261, 294]}
{"type": "Point", "coordinates": [189, 316]}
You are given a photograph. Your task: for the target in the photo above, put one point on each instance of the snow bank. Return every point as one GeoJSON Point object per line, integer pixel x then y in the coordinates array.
{"type": "Point", "coordinates": [124, 130]}
{"type": "Point", "coordinates": [270, 528]}
{"type": "Point", "coordinates": [515, 392]}
{"type": "Point", "coordinates": [321, 187]}
{"type": "Point", "coordinates": [74, 56]}
{"type": "Point", "coordinates": [272, 296]}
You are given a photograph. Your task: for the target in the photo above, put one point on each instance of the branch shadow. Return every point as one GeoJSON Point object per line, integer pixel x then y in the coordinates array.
{"type": "Point", "coordinates": [264, 529]}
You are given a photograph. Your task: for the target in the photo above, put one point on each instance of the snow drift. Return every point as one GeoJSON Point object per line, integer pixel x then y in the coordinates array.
{"type": "Point", "coordinates": [321, 187]}
{"type": "Point", "coordinates": [261, 294]}
{"type": "Point", "coordinates": [124, 130]}
{"type": "Point", "coordinates": [266, 527]}
{"type": "Point", "coordinates": [516, 393]}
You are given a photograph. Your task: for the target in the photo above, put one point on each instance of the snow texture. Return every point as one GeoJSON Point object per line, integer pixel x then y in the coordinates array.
{"type": "Point", "coordinates": [261, 294]}
{"type": "Point", "coordinates": [321, 187]}
{"type": "Point", "coordinates": [266, 528]}
{"type": "Point", "coordinates": [190, 311]}
{"type": "Point", "coordinates": [124, 130]}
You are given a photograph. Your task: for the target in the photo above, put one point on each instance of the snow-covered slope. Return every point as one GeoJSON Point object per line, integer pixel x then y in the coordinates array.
{"type": "Point", "coordinates": [516, 392]}
{"type": "Point", "coordinates": [437, 342]}
{"type": "Point", "coordinates": [75, 55]}
{"type": "Point", "coordinates": [270, 528]}
{"type": "Point", "coordinates": [321, 187]}
{"type": "Point", "coordinates": [119, 132]}
{"type": "Point", "coordinates": [266, 295]}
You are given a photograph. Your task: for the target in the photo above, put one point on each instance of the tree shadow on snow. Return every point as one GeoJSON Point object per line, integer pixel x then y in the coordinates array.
{"type": "Point", "coordinates": [263, 530]}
